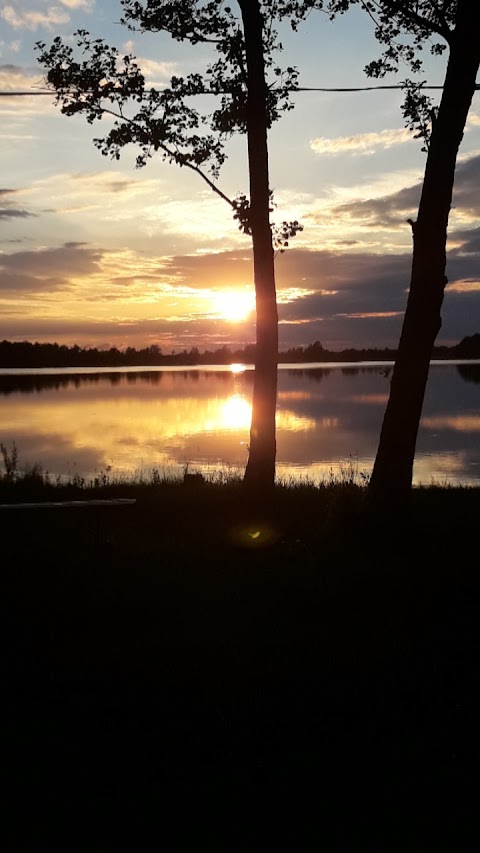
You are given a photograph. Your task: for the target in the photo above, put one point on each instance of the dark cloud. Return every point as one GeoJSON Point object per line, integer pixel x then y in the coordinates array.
{"type": "Point", "coordinates": [24, 286]}
{"type": "Point", "coordinates": [466, 192]}
{"type": "Point", "coordinates": [365, 288]}
{"type": "Point", "coordinates": [46, 269]}
{"type": "Point", "coordinates": [12, 213]}
{"type": "Point", "coordinates": [9, 211]}
{"type": "Point", "coordinates": [344, 281]}
{"type": "Point", "coordinates": [224, 268]}
{"type": "Point", "coordinates": [470, 242]}
{"type": "Point", "coordinates": [395, 209]}
{"type": "Point", "coordinates": [391, 210]}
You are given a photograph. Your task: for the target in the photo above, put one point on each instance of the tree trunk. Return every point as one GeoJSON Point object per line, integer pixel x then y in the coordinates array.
{"type": "Point", "coordinates": [260, 470]}
{"type": "Point", "coordinates": [391, 480]}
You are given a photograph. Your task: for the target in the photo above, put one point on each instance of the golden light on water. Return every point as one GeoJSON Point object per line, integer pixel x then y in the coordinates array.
{"type": "Point", "coordinates": [235, 413]}
{"type": "Point", "coordinates": [287, 420]}
{"type": "Point", "coordinates": [458, 423]}
{"type": "Point", "coordinates": [440, 468]}
{"type": "Point", "coordinates": [293, 395]}
{"type": "Point", "coordinates": [155, 425]}
{"type": "Point", "coordinates": [168, 419]}
{"type": "Point", "coordinates": [129, 432]}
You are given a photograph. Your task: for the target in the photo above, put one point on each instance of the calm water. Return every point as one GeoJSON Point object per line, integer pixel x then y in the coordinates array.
{"type": "Point", "coordinates": [89, 421]}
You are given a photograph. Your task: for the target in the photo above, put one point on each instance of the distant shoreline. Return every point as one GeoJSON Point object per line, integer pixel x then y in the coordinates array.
{"type": "Point", "coordinates": [27, 355]}
{"type": "Point", "coordinates": [236, 367]}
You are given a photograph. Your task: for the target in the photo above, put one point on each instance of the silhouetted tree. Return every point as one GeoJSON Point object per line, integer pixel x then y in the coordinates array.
{"type": "Point", "coordinates": [456, 22]}
{"type": "Point", "coordinates": [104, 82]}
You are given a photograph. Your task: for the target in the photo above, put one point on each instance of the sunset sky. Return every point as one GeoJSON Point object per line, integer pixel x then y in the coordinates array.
{"type": "Point", "coordinates": [98, 253]}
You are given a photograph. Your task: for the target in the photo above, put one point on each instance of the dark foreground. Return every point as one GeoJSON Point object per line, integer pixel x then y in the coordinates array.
{"type": "Point", "coordinates": [174, 679]}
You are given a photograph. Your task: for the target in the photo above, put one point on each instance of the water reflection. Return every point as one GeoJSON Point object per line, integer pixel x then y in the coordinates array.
{"type": "Point", "coordinates": [470, 372]}
{"type": "Point", "coordinates": [328, 420]}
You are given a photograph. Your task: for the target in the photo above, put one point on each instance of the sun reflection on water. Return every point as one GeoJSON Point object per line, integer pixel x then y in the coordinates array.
{"type": "Point", "coordinates": [235, 413]}
{"type": "Point", "coordinates": [140, 422]}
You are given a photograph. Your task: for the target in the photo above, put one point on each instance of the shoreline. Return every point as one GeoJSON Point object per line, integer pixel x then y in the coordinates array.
{"type": "Point", "coordinates": [231, 367]}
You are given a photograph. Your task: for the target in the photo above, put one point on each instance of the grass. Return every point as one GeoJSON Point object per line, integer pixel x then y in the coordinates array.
{"type": "Point", "coordinates": [196, 657]}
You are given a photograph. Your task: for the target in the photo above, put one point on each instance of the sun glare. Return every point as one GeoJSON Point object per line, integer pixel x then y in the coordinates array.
{"type": "Point", "coordinates": [234, 305]}
{"type": "Point", "coordinates": [236, 413]}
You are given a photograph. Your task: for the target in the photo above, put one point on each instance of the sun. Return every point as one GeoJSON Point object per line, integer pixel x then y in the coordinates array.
{"type": "Point", "coordinates": [235, 305]}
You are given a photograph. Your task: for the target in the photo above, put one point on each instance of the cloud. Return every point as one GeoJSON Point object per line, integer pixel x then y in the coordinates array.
{"type": "Point", "coordinates": [466, 190]}
{"type": "Point", "coordinates": [362, 143]}
{"type": "Point", "coordinates": [31, 19]}
{"type": "Point", "coordinates": [45, 270]}
{"type": "Point", "coordinates": [343, 283]}
{"type": "Point", "coordinates": [88, 331]}
{"type": "Point", "coordinates": [106, 182]}
{"type": "Point", "coordinates": [360, 298]}
{"type": "Point", "coordinates": [392, 211]}
{"type": "Point", "coordinates": [12, 213]}
{"type": "Point", "coordinates": [78, 4]}
{"type": "Point", "coordinates": [342, 298]}
{"type": "Point", "coordinates": [16, 77]}
{"type": "Point", "coordinates": [366, 144]}
{"type": "Point", "coordinates": [8, 211]}
{"type": "Point", "coordinates": [157, 73]}
{"type": "Point", "coordinates": [13, 109]}
{"type": "Point", "coordinates": [5, 192]}
{"type": "Point", "coordinates": [466, 242]}
{"type": "Point", "coordinates": [389, 211]}
{"type": "Point", "coordinates": [231, 268]}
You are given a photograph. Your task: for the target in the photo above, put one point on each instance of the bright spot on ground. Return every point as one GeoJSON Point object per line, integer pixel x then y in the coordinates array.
{"type": "Point", "coordinates": [253, 536]}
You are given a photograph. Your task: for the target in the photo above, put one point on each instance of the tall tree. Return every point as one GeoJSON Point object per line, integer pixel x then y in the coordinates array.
{"type": "Point", "coordinates": [442, 128]}
{"type": "Point", "coordinates": [106, 83]}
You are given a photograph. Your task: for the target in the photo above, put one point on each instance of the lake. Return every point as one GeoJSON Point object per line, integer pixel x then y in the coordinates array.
{"type": "Point", "coordinates": [127, 421]}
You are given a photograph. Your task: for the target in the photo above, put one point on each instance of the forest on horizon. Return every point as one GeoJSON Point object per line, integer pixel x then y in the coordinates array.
{"type": "Point", "coordinates": [26, 354]}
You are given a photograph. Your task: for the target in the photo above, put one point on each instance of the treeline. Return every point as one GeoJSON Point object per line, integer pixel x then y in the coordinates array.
{"type": "Point", "coordinates": [26, 354]}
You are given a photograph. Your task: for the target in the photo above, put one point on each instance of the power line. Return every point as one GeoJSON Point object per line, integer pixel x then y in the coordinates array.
{"type": "Point", "coordinates": [299, 89]}
{"type": "Point", "coordinates": [360, 88]}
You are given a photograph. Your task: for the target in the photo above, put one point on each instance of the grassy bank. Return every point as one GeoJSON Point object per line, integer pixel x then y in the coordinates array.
{"type": "Point", "coordinates": [195, 654]}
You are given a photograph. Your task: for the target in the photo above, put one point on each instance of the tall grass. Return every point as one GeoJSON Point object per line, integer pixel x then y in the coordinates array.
{"type": "Point", "coordinates": [10, 462]}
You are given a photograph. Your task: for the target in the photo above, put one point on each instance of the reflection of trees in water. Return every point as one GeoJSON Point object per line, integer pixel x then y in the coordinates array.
{"type": "Point", "coordinates": [317, 374]}
{"type": "Point", "coordinates": [469, 372]}
{"type": "Point", "coordinates": [350, 371]}
{"type": "Point", "coordinates": [31, 383]}
{"type": "Point", "coordinates": [383, 370]}
{"type": "Point", "coordinates": [196, 375]}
